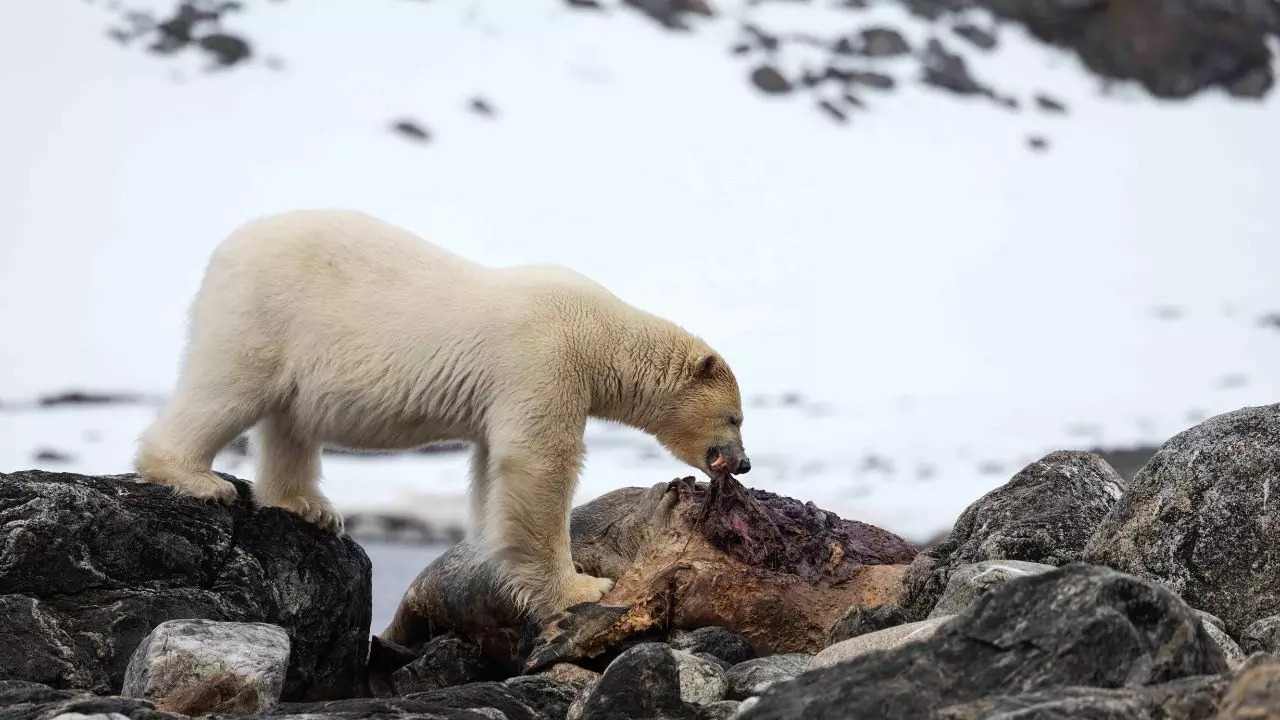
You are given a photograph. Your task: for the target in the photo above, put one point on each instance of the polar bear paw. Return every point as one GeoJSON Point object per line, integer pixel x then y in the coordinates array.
{"type": "Point", "coordinates": [583, 588]}
{"type": "Point", "coordinates": [315, 509]}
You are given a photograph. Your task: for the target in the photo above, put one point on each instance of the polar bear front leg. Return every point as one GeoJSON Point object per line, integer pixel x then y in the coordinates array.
{"type": "Point", "coordinates": [289, 475]}
{"type": "Point", "coordinates": [528, 524]}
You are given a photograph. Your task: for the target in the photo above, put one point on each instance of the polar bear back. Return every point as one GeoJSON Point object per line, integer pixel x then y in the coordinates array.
{"type": "Point", "coordinates": [364, 324]}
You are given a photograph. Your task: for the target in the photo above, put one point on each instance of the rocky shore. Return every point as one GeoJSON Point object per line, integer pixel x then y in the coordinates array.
{"type": "Point", "coordinates": [1071, 591]}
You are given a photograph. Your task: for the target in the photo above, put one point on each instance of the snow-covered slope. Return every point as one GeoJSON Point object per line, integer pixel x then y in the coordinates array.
{"type": "Point", "coordinates": [915, 302]}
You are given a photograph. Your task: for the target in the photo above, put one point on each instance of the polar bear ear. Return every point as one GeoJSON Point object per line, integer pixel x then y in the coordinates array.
{"type": "Point", "coordinates": [705, 367]}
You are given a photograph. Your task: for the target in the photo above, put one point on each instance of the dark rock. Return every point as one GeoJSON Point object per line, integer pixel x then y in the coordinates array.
{"type": "Point", "coordinates": [193, 24]}
{"type": "Point", "coordinates": [1262, 636]}
{"type": "Point", "coordinates": [21, 700]}
{"type": "Point", "coordinates": [642, 682]}
{"type": "Point", "coordinates": [832, 111]}
{"type": "Point", "coordinates": [1194, 698]}
{"type": "Point", "coordinates": [858, 620]}
{"type": "Point", "coordinates": [411, 130]}
{"type": "Point", "coordinates": [882, 42]}
{"type": "Point", "coordinates": [1049, 104]}
{"type": "Point", "coordinates": [384, 659]}
{"type": "Point", "coordinates": [1037, 143]}
{"type": "Point", "coordinates": [90, 565]}
{"type": "Point", "coordinates": [1174, 48]}
{"type": "Point", "coordinates": [585, 4]}
{"type": "Point", "coordinates": [720, 642]}
{"type": "Point", "coordinates": [1078, 625]}
{"type": "Point", "coordinates": [878, 81]}
{"type": "Point", "coordinates": [751, 677]}
{"type": "Point", "coordinates": [480, 106]}
{"type": "Point", "coordinates": [1197, 518]}
{"type": "Point", "coordinates": [396, 708]}
{"type": "Point", "coordinates": [980, 38]}
{"type": "Point", "coordinates": [946, 70]}
{"type": "Point", "coordinates": [1044, 514]}
{"type": "Point", "coordinates": [671, 14]}
{"type": "Point", "coordinates": [48, 455]}
{"type": "Point", "coordinates": [445, 661]}
{"type": "Point", "coordinates": [82, 397]}
{"type": "Point", "coordinates": [769, 80]}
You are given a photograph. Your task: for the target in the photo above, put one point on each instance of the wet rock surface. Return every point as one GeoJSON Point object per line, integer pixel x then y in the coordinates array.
{"type": "Point", "coordinates": [89, 566]}
{"type": "Point", "coordinates": [1198, 518]}
{"type": "Point", "coordinates": [1045, 514]}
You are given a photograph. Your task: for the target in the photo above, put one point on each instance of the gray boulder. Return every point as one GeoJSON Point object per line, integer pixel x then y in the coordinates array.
{"type": "Point", "coordinates": [1193, 698]}
{"type": "Point", "coordinates": [753, 676]}
{"type": "Point", "coordinates": [89, 566]}
{"type": "Point", "coordinates": [702, 682]}
{"type": "Point", "coordinates": [1262, 636]}
{"type": "Point", "coordinates": [1198, 518]}
{"type": "Point", "coordinates": [1045, 514]}
{"type": "Point", "coordinates": [207, 666]}
{"type": "Point", "coordinates": [970, 582]}
{"type": "Point", "coordinates": [1077, 625]}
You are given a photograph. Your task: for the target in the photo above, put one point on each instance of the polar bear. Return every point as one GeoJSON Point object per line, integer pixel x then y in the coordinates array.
{"type": "Point", "coordinates": [334, 327]}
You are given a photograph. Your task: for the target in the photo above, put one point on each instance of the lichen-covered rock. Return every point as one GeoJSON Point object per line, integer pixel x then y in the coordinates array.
{"type": "Point", "coordinates": [685, 555]}
{"type": "Point", "coordinates": [701, 682]}
{"type": "Point", "coordinates": [1044, 514]}
{"type": "Point", "coordinates": [1078, 625]}
{"type": "Point", "coordinates": [719, 642]}
{"type": "Point", "coordinates": [858, 620]}
{"type": "Point", "coordinates": [198, 667]}
{"type": "Point", "coordinates": [642, 682]}
{"type": "Point", "coordinates": [723, 710]}
{"type": "Point", "coordinates": [753, 676]}
{"type": "Point", "coordinates": [1199, 518]}
{"type": "Point", "coordinates": [886, 639]}
{"type": "Point", "coordinates": [1262, 636]}
{"type": "Point", "coordinates": [90, 565]}
{"type": "Point", "coordinates": [970, 582]}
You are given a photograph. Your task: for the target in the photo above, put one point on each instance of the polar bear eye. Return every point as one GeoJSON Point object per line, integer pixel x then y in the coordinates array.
{"type": "Point", "coordinates": [735, 420]}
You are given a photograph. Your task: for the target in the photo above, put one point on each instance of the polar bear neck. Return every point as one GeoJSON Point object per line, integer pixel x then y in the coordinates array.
{"type": "Point", "coordinates": [635, 365]}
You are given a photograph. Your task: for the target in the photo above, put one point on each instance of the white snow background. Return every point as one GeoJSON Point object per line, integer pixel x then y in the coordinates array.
{"type": "Point", "coordinates": [915, 303]}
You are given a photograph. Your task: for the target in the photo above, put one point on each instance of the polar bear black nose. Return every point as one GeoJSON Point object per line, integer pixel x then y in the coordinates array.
{"type": "Point", "coordinates": [744, 465]}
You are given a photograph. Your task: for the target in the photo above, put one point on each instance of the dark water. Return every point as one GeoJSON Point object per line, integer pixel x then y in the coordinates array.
{"type": "Point", "coordinates": [395, 565]}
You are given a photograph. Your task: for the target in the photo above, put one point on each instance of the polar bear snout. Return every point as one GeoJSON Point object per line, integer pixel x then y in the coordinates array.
{"type": "Point", "coordinates": [725, 459]}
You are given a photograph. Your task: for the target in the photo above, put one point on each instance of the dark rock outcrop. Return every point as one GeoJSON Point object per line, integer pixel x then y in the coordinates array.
{"type": "Point", "coordinates": [90, 565]}
{"type": "Point", "coordinates": [1044, 514]}
{"type": "Point", "coordinates": [1199, 518]}
{"type": "Point", "coordinates": [1078, 625]}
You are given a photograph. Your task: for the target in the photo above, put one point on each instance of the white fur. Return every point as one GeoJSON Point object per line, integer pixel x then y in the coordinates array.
{"type": "Point", "coordinates": [333, 327]}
